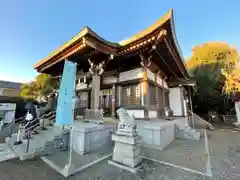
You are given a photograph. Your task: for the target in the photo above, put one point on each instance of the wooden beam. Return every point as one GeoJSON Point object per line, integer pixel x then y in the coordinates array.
{"type": "Point", "coordinates": [174, 57]}
{"type": "Point", "coordinates": [166, 64]}
{"type": "Point", "coordinates": [66, 54]}
{"type": "Point", "coordinates": [161, 35]}
{"type": "Point", "coordinates": [140, 45]}
{"type": "Point", "coordinates": [110, 73]}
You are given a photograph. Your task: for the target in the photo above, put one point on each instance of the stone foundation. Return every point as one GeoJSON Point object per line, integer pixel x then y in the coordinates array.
{"type": "Point", "coordinates": [127, 150]}
{"type": "Point", "coordinates": [156, 134]}
{"type": "Point", "coordinates": [88, 137]}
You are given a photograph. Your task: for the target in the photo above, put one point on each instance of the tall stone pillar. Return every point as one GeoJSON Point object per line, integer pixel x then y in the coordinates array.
{"type": "Point", "coordinates": [157, 100]}
{"type": "Point", "coordinates": [113, 101]}
{"type": "Point", "coordinates": [95, 91]}
{"type": "Point", "coordinates": [157, 92]}
{"type": "Point", "coordinates": [96, 70]}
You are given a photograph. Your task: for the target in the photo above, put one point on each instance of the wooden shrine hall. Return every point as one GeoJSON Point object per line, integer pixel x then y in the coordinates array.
{"type": "Point", "coordinates": [145, 73]}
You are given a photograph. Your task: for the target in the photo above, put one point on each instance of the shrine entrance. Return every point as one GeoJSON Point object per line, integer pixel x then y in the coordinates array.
{"type": "Point", "coordinates": [106, 101]}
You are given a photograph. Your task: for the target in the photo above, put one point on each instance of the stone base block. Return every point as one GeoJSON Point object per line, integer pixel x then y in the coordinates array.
{"type": "Point", "coordinates": [131, 169]}
{"type": "Point", "coordinates": [126, 139]}
{"type": "Point", "coordinates": [128, 161]}
{"type": "Point", "coordinates": [127, 150]}
{"type": "Point", "coordinates": [93, 121]}
{"type": "Point", "coordinates": [130, 133]}
{"type": "Point", "coordinates": [156, 134]}
{"type": "Point", "coordinates": [89, 137]}
{"type": "Point", "coordinates": [127, 147]}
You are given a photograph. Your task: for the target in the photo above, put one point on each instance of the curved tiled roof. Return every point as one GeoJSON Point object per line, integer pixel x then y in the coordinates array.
{"type": "Point", "coordinates": [87, 39]}
{"type": "Point", "coordinates": [86, 31]}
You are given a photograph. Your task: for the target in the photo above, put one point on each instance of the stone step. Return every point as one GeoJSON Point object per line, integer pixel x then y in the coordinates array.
{"type": "Point", "coordinates": [39, 143]}
{"type": "Point", "coordinates": [187, 133]}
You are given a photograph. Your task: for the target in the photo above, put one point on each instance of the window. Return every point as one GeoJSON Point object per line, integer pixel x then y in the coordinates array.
{"type": "Point", "coordinates": [131, 95]}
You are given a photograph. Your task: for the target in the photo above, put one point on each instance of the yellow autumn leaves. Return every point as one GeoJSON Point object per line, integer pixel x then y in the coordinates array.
{"type": "Point", "coordinates": [218, 55]}
{"type": "Point", "coordinates": [232, 80]}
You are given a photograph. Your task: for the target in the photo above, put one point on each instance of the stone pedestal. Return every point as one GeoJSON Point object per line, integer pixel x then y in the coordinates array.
{"type": "Point", "coordinates": [126, 153]}
{"type": "Point", "coordinates": [89, 137]}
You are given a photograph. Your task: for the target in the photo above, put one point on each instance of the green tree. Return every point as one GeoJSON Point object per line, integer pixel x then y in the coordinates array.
{"type": "Point", "coordinates": [206, 65]}
{"type": "Point", "coordinates": [45, 84]}
{"type": "Point", "coordinates": [29, 91]}
{"type": "Point", "coordinates": [40, 88]}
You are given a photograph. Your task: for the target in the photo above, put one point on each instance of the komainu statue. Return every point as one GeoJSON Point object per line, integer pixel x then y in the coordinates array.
{"type": "Point", "coordinates": [127, 125]}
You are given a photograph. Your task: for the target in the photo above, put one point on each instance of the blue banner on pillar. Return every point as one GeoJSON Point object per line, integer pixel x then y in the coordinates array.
{"type": "Point", "coordinates": [64, 113]}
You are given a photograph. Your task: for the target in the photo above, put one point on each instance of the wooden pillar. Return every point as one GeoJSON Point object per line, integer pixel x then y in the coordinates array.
{"type": "Point", "coordinates": [145, 63]}
{"type": "Point", "coordinates": [119, 95]}
{"type": "Point", "coordinates": [164, 101]}
{"type": "Point", "coordinates": [144, 88]}
{"type": "Point", "coordinates": [95, 91]}
{"type": "Point", "coordinates": [191, 107]}
{"type": "Point", "coordinates": [157, 92]}
{"type": "Point", "coordinates": [145, 92]}
{"type": "Point", "coordinates": [113, 101]}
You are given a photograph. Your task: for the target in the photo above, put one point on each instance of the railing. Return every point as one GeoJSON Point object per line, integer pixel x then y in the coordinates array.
{"type": "Point", "coordinates": [35, 127]}
{"type": "Point", "coordinates": [10, 125]}
{"type": "Point", "coordinates": [32, 126]}
{"type": "Point", "coordinates": [196, 120]}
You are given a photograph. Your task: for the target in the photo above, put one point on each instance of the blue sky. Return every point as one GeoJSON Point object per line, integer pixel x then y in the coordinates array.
{"type": "Point", "coordinates": [30, 29]}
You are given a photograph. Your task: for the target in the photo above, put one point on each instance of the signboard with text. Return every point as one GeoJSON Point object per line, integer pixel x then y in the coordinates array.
{"type": "Point", "coordinates": [64, 113]}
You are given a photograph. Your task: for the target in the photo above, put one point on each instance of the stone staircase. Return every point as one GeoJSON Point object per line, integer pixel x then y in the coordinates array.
{"type": "Point", "coordinates": [39, 144]}
{"type": "Point", "coordinates": [186, 132]}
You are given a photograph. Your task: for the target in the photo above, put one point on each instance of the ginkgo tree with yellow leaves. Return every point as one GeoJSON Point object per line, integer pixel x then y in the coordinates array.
{"type": "Point", "coordinates": [232, 87]}
{"type": "Point", "coordinates": [208, 65]}
{"type": "Point", "coordinates": [40, 88]}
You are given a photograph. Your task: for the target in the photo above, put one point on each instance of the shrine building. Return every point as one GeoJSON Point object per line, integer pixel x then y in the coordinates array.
{"type": "Point", "coordinates": [145, 73]}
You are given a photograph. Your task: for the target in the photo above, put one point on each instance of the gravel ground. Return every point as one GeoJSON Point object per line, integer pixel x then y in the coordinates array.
{"type": "Point", "coordinates": [225, 160]}
{"type": "Point", "coordinates": [186, 153]}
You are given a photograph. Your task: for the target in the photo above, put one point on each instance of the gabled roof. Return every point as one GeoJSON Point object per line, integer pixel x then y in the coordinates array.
{"type": "Point", "coordinates": [88, 38]}
{"type": "Point", "coordinates": [149, 30]}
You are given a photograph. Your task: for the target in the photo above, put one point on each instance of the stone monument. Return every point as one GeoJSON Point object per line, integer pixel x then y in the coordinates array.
{"type": "Point", "coordinates": [126, 153]}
